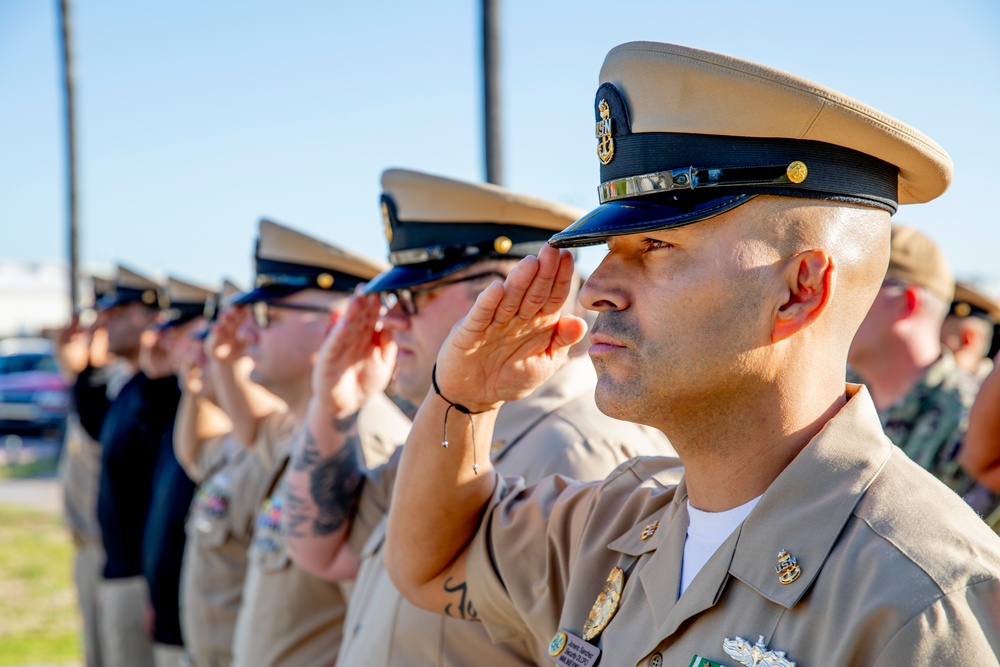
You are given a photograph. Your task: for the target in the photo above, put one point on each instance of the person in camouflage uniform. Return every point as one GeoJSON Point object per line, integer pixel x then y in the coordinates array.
{"type": "Point", "coordinates": [980, 455]}
{"type": "Point", "coordinates": [922, 396]}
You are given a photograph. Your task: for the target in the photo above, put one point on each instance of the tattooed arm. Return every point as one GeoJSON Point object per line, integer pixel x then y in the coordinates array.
{"type": "Point", "coordinates": [325, 475]}
{"type": "Point", "coordinates": [321, 488]}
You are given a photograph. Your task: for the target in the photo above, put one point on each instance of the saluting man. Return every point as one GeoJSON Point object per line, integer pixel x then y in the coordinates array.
{"type": "Point", "coordinates": [448, 240]}
{"type": "Point", "coordinates": [289, 617]}
{"type": "Point", "coordinates": [746, 213]}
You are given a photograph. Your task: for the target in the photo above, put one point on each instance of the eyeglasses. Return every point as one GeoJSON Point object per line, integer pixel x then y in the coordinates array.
{"type": "Point", "coordinates": [262, 311]}
{"type": "Point", "coordinates": [407, 298]}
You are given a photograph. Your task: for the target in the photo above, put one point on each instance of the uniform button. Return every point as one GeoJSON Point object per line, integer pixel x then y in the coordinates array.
{"type": "Point", "coordinates": [656, 660]}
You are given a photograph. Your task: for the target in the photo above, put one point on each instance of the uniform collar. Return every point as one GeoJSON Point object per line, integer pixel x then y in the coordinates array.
{"type": "Point", "coordinates": [805, 509]}
{"type": "Point", "coordinates": [575, 378]}
{"type": "Point", "coordinates": [803, 512]}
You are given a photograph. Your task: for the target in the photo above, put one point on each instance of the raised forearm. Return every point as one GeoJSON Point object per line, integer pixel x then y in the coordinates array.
{"type": "Point", "coordinates": [197, 422]}
{"type": "Point", "coordinates": [438, 502]}
{"type": "Point", "coordinates": [980, 453]}
{"type": "Point", "coordinates": [236, 398]}
{"type": "Point", "coordinates": [321, 489]}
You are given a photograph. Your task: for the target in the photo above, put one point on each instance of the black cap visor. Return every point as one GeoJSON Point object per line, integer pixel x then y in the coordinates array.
{"type": "Point", "coordinates": [266, 293]}
{"type": "Point", "coordinates": [635, 216]}
{"type": "Point", "coordinates": [412, 275]}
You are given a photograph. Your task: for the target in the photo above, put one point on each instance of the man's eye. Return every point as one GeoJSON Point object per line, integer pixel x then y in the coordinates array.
{"type": "Point", "coordinates": [656, 244]}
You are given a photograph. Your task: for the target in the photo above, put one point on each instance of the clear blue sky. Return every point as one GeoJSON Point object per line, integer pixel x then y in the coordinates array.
{"type": "Point", "coordinates": [197, 118]}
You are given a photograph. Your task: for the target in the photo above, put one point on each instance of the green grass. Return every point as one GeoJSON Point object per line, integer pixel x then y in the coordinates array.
{"type": "Point", "coordinates": [38, 619]}
{"type": "Point", "coordinates": [33, 469]}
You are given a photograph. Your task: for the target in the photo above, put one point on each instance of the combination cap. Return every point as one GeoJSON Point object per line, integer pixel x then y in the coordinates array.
{"type": "Point", "coordinates": [436, 226]}
{"type": "Point", "coordinates": [289, 261]}
{"type": "Point", "coordinates": [130, 287]}
{"type": "Point", "coordinates": [971, 302]}
{"type": "Point", "coordinates": [684, 134]}
{"type": "Point", "coordinates": [181, 302]}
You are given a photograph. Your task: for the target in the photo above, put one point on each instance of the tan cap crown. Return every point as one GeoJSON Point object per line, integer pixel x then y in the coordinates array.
{"type": "Point", "coordinates": [284, 244]}
{"type": "Point", "coordinates": [915, 258]}
{"type": "Point", "coordinates": [428, 198]}
{"type": "Point", "coordinates": [180, 291]}
{"type": "Point", "coordinates": [134, 280]}
{"type": "Point", "coordinates": [672, 88]}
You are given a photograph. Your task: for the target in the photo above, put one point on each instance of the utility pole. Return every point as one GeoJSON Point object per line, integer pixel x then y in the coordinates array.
{"type": "Point", "coordinates": [65, 44]}
{"type": "Point", "coordinates": [491, 91]}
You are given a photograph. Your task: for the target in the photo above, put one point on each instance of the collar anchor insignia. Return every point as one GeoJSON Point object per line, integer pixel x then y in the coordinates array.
{"type": "Point", "coordinates": [788, 569]}
{"type": "Point", "coordinates": [754, 655]}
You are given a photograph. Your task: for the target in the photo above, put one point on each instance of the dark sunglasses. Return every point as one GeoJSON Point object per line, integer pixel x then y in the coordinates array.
{"type": "Point", "coordinates": [262, 311]}
{"type": "Point", "coordinates": [407, 298]}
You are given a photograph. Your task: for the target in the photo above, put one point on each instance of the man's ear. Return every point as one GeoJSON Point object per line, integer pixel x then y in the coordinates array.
{"type": "Point", "coordinates": [808, 285]}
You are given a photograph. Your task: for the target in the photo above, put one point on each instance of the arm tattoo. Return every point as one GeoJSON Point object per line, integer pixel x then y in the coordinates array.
{"type": "Point", "coordinates": [464, 609]}
{"type": "Point", "coordinates": [334, 484]}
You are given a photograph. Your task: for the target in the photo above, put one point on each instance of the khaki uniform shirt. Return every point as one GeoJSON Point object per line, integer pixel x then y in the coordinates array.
{"type": "Point", "coordinates": [290, 618]}
{"type": "Point", "coordinates": [557, 429]}
{"type": "Point", "coordinates": [232, 483]}
{"type": "Point", "coordinates": [894, 569]}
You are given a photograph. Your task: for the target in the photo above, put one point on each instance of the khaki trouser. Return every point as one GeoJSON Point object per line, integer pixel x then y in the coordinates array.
{"type": "Point", "coordinates": [87, 564]}
{"type": "Point", "coordinates": [123, 605]}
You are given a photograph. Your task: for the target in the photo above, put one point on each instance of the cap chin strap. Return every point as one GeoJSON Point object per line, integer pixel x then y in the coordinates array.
{"type": "Point", "coordinates": [691, 178]}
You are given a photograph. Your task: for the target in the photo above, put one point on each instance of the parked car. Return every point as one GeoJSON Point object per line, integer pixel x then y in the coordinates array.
{"type": "Point", "coordinates": [33, 395]}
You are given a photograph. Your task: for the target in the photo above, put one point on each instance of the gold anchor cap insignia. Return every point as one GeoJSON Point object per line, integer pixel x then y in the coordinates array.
{"type": "Point", "coordinates": [606, 604]}
{"type": "Point", "coordinates": [386, 222]}
{"type": "Point", "coordinates": [558, 644]}
{"type": "Point", "coordinates": [797, 171]}
{"type": "Point", "coordinates": [788, 569]}
{"type": "Point", "coordinates": [605, 138]}
{"type": "Point", "coordinates": [649, 530]}
{"type": "Point", "coordinates": [754, 655]}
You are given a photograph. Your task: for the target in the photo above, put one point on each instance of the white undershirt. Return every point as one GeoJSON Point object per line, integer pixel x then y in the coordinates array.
{"type": "Point", "coordinates": [705, 534]}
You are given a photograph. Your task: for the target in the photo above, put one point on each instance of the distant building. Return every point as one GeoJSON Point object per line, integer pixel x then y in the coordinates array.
{"type": "Point", "coordinates": [34, 296]}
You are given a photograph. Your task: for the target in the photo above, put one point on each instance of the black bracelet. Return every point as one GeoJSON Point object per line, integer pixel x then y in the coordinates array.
{"type": "Point", "coordinates": [461, 408]}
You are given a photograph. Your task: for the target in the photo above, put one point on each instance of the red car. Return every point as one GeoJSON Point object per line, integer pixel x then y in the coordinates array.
{"type": "Point", "coordinates": [33, 395]}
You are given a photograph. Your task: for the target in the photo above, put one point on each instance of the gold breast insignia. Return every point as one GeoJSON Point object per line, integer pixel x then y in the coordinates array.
{"type": "Point", "coordinates": [754, 655]}
{"type": "Point", "coordinates": [606, 604]}
{"type": "Point", "coordinates": [605, 137]}
{"type": "Point", "coordinates": [788, 569]}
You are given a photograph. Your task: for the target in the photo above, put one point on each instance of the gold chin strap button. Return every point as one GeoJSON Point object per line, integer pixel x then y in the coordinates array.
{"type": "Point", "coordinates": [797, 172]}
{"type": "Point", "coordinates": [962, 309]}
{"type": "Point", "coordinates": [324, 280]}
{"type": "Point", "coordinates": [502, 244]}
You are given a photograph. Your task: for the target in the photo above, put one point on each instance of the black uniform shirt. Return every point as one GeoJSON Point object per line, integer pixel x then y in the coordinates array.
{"type": "Point", "coordinates": [130, 437]}
{"type": "Point", "coordinates": [163, 541]}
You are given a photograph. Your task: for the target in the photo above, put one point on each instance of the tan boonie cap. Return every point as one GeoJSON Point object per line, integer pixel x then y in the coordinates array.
{"type": "Point", "coordinates": [437, 225]}
{"type": "Point", "coordinates": [970, 302]}
{"type": "Point", "coordinates": [684, 134]}
{"type": "Point", "coordinates": [288, 261]}
{"type": "Point", "coordinates": [131, 287]}
{"type": "Point", "coordinates": [914, 258]}
{"type": "Point", "coordinates": [181, 302]}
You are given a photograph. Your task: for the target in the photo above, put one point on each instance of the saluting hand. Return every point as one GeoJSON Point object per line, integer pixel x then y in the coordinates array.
{"type": "Point", "coordinates": [355, 361]}
{"type": "Point", "coordinates": [223, 344]}
{"type": "Point", "coordinates": [514, 338]}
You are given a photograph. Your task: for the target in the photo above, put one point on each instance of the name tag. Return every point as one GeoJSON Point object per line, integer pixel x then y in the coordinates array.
{"type": "Point", "coordinates": [698, 661]}
{"type": "Point", "coordinates": [569, 650]}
